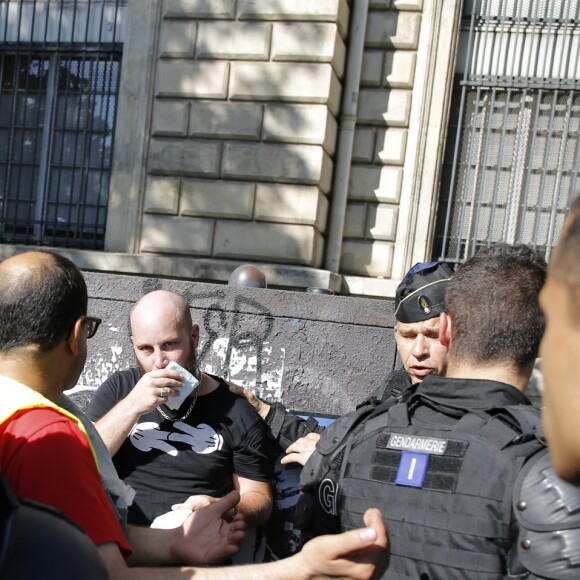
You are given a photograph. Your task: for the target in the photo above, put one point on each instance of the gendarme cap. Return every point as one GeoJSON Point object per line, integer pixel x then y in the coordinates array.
{"type": "Point", "coordinates": [421, 294]}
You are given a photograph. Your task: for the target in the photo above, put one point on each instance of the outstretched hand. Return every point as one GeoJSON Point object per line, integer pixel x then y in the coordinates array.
{"type": "Point", "coordinates": [206, 536]}
{"type": "Point", "coordinates": [360, 554]}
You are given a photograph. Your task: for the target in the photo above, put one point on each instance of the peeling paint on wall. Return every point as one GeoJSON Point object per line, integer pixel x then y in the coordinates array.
{"type": "Point", "coordinates": [260, 368]}
{"type": "Point", "coordinates": [100, 367]}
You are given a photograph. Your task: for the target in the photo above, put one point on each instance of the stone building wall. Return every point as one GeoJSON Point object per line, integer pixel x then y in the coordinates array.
{"type": "Point", "coordinates": [226, 140]}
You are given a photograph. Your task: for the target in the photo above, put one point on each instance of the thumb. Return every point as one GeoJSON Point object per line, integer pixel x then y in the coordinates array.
{"type": "Point", "coordinates": [226, 503]}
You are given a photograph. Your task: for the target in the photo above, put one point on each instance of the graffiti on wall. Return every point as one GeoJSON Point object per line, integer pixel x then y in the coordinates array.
{"type": "Point", "coordinates": [235, 345]}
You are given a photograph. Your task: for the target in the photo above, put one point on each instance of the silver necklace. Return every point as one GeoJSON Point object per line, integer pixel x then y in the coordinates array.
{"type": "Point", "coordinates": [165, 416]}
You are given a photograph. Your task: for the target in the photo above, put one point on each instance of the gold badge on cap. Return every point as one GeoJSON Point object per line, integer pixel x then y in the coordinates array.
{"type": "Point", "coordinates": [424, 304]}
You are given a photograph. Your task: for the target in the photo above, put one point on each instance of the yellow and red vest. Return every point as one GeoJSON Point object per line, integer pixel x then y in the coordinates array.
{"type": "Point", "coordinates": [15, 396]}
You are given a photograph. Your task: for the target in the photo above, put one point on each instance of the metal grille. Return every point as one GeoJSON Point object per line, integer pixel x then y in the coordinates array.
{"type": "Point", "coordinates": [59, 75]}
{"type": "Point", "coordinates": [511, 164]}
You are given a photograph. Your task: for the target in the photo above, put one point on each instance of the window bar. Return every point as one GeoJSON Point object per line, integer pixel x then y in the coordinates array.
{"type": "Point", "coordinates": [545, 159]}
{"type": "Point", "coordinates": [20, 126]}
{"type": "Point", "coordinates": [458, 139]}
{"type": "Point", "coordinates": [498, 173]}
{"type": "Point", "coordinates": [525, 192]}
{"type": "Point", "coordinates": [83, 168]}
{"type": "Point", "coordinates": [88, 20]}
{"type": "Point", "coordinates": [504, 37]}
{"type": "Point", "coordinates": [6, 9]}
{"type": "Point", "coordinates": [38, 134]}
{"type": "Point", "coordinates": [517, 184]}
{"type": "Point", "coordinates": [477, 179]}
{"type": "Point", "coordinates": [534, 132]}
{"type": "Point", "coordinates": [4, 192]}
{"type": "Point", "coordinates": [85, 162]}
{"type": "Point", "coordinates": [573, 193]}
{"type": "Point", "coordinates": [560, 171]}
{"type": "Point", "coordinates": [477, 142]}
{"type": "Point", "coordinates": [480, 184]}
{"type": "Point", "coordinates": [46, 22]}
{"type": "Point", "coordinates": [112, 65]}
{"type": "Point", "coordinates": [551, 45]}
{"type": "Point", "coordinates": [94, 92]}
{"type": "Point", "coordinates": [538, 38]}
{"type": "Point", "coordinates": [33, 22]}
{"type": "Point", "coordinates": [113, 70]}
{"type": "Point", "coordinates": [19, 23]}
{"type": "Point", "coordinates": [46, 148]}
{"type": "Point", "coordinates": [57, 166]}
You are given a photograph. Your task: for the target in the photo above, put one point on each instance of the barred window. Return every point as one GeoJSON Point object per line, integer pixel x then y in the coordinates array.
{"type": "Point", "coordinates": [59, 74]}
{"type": "Point", "coordinates": [512, 158]}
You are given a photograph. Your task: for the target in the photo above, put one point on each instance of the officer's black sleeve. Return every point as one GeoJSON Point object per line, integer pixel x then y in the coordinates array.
{"type": "Point", "coordinates": [287, 427]}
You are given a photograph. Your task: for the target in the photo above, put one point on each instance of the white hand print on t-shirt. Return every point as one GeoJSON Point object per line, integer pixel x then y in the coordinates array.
{"type": "Point", "coordinates": [202, 439]}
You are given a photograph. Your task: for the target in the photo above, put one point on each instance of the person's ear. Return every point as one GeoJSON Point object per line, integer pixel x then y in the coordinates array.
{"type": "Point", "coordinates": [75, 337]}
{"type": "Point", "coordinates": [445, 331]}
{"type": "Point", "coordinates": [195, 335]}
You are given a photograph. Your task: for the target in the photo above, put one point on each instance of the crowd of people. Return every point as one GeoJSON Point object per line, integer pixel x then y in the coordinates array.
{"type": "Point", "coordinates": [449, 454]}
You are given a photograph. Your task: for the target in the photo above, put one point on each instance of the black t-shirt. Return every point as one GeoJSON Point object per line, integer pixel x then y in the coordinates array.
{"type": "Point", "coordinates": [167, 461]}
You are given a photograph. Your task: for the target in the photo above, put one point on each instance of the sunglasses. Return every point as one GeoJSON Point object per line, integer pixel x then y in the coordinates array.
{"type": "Point", "coordinates": [92, 324]}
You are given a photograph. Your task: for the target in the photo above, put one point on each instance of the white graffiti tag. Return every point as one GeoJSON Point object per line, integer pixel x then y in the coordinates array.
{"type": "Point", "coordinates": [202, 439]}
{"type": "Point", "coordinates": [327, 496]}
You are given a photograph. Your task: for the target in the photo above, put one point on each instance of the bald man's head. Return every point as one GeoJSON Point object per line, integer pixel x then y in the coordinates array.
{"type": "Point", "coordinates": [41, 296]}
{"type": "Point", "coordinates": [162, 331]}
{"type": "Point", "coordinates": [163, 301]}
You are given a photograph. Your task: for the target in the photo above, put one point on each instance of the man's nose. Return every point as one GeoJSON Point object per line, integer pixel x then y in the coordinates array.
{"type": "Point", "coordinates": [159, 361]}
{"type": "Point", "coordinates": [420, 347]}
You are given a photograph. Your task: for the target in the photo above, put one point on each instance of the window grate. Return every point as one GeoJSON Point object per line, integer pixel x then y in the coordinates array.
{"type": "Point", "coordinates": [59, 74]}
{"type": "Point", "coordinates": [511, 164]}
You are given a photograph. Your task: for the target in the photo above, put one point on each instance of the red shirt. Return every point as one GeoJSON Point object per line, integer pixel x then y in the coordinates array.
{"type": "Point", "coordinates": [46, 457]}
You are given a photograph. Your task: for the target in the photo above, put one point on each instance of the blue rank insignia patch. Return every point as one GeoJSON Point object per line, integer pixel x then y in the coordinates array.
{"type": "Point", "coordinates": [412, 469]}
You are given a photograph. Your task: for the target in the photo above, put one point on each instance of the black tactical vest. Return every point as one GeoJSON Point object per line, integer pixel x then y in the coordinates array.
{"type": "Point", "coordinates": [445, 493]}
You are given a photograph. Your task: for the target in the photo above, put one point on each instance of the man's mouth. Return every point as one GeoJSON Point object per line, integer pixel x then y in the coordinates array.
{"type": "Point", "coordinates": [421, 371]}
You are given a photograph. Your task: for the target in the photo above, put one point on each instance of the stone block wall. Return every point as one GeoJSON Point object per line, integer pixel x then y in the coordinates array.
{"type": "Point", "coordinates": [243, 129]}
{"type": "Point", "coordinates": [381, 137]}
{"type": "Point", "coordinates": [228, 130]}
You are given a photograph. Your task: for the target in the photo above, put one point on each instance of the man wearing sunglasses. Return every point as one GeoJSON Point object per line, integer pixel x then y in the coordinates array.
{"type": "Point", "coordinates": [45, 453]}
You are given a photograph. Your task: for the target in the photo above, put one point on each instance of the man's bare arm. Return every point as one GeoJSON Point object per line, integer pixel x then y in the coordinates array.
{"type": "Point", "coordinates": [359, 554]}
{"type": "Point", "coordinates": [255, 500]}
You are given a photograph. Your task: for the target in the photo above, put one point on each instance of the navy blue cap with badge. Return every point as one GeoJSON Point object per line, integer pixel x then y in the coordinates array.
{"type": "Point", "coordinates": [421, 294]}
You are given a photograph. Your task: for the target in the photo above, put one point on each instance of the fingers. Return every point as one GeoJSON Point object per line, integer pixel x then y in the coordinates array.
{"type": "Point", "coordinates": [237, 390]}
{"type": "Point", "coordinates": [226, 503]}
{"type": "Point", "coordinates": [373, 520]}
{"type": "Point", "coordinates": [194, 502]}
{"type": "Point", "coordinates": [301, 450]}
{"type": "Point", "coordinates": [155, 388]}
{"type": "Point", "coordinates": [260, 407]}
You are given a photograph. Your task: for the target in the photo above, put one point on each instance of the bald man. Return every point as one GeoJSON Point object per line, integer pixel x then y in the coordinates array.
{"type": "Point", "coordinates": [213, 443]}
